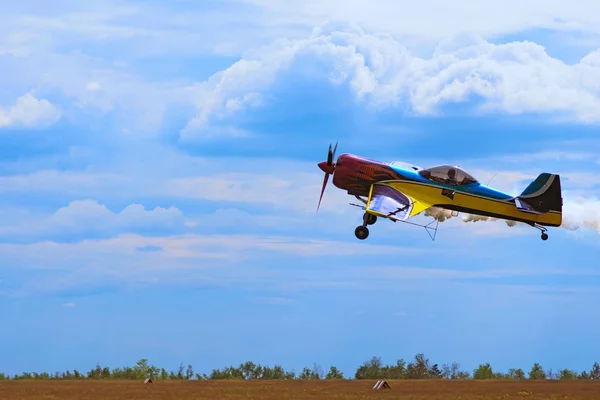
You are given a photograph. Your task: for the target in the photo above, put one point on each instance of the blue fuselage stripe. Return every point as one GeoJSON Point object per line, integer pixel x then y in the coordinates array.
{"type": "Point", "coordinates": [475, 189]}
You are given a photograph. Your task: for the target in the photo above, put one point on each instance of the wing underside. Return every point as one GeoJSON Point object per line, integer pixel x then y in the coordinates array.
{"type": "Point", "coordinates": [386, 201]}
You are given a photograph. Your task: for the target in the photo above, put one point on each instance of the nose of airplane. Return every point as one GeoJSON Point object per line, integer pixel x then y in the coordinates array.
{"type": "Point", "coordinates": [328, 169]}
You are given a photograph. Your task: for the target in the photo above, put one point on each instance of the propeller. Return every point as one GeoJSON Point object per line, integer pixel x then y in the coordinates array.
{"type": "Point", "coordinates": [328, 167]}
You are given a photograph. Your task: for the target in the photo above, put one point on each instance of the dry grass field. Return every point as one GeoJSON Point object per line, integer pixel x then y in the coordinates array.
{"type": "Point", "coordinates": [191, 390]}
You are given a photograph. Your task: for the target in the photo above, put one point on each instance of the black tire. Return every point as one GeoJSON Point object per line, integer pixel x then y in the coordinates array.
{"type": "Point", "coordinates": [544, 236]}
{"type": "Point", "coordinates": [370, 219]}
{"type": "Point", "coordinates": [361, 232]}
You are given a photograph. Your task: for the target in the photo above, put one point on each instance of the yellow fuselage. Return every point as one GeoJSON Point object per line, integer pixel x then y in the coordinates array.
{"type": "Point", "coordinates": [425, 196]}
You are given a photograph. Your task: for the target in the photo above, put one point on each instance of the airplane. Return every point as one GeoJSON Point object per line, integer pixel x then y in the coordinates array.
{"type": "Point", "coordinates": [399, 191]}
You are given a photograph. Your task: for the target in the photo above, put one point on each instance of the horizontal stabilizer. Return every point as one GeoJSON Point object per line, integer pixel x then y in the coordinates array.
{"type": "Point", "coordinates": [522, 206]}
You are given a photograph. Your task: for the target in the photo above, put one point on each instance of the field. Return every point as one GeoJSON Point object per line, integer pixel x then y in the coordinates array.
{"type": "Point", "coordinates": [404, 389]}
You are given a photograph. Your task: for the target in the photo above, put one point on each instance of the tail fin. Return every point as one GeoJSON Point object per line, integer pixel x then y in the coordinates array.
{"type": "Point", "coordinates": [542, 195]}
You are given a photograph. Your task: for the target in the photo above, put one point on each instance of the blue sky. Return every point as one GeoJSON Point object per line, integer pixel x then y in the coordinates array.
{"type": "Point", "coordinates": [159, 180]}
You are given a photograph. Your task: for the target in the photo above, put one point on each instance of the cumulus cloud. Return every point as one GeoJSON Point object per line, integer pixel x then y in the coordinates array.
{"type": "Point", "coordinates": [86, 214]}
{"type": "Point", "coordinates": [514, 77]}
{"type": "Point", "coordinates": [88, 218]}
{"type": "Point", "coordinates": [382, 70]}
{"type": "Point", "coordinates": [379, 68]}
{"type": "Point", "coordinates": [29, 112]}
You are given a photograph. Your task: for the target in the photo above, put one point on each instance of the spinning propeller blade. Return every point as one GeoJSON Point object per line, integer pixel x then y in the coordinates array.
{"type": "Point", "coordinates": [323, 190]}
{"type": "Point", "coordinates": [331, 154]}
{"type": "Point", "coordinates": [328, 167]}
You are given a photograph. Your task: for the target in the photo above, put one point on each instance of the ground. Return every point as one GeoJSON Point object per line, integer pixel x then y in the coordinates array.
{"type": "Point", "coordinates": [400, 390]}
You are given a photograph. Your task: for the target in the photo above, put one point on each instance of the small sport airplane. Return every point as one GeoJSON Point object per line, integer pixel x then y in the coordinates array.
{"type": "Point", "coordinates": [399, 191]}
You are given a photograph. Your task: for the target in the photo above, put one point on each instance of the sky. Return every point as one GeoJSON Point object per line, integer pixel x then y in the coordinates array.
{"type": "Point", "coordinates": [159, 182]}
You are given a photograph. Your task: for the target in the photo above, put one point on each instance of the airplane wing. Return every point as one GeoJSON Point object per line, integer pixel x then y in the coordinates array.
{"type": "Point", "coordinates": [401, 200]}
{"type": "Point", "coordinates": [387, 200]}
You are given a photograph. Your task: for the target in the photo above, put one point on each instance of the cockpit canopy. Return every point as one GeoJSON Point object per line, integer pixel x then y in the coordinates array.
{"type": "Point", "coordinates": [448, 174]}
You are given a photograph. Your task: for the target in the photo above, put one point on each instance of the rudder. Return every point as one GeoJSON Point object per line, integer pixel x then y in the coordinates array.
{"type": "Point", "coordinates": [542, 195]}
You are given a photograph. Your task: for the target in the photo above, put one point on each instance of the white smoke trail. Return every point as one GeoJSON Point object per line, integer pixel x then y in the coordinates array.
{"type": "Point", "coordinates": [581, 212]}
{"type": "Point", "coordinates": [442, 215]}
{"type": "Point", "coordinates": [438, 213]}
{"type": "Point", "coordinates": [578, 213]}
{"type": "Point", "coordinates": [475, 218]}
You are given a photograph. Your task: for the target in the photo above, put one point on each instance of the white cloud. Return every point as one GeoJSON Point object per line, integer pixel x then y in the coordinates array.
{"type": "Point", "coordinates": [29, 112]}
{"type": "Point", "coordinates": [435, 19]}
{"type": "Point", "coordinates": [297, 192]}
{"type": "Point", "coordinates": [83, 217]}
{"type": "Point", "coordinates": [234, 88]}
{"type": "Point", "coordinates": [287, 185]}
{"type": "Point", "coordinates": [150, 30]}
{"type": "Point", "coordinates": [188, 247]}
{"type": "Point", "coordinates": [142, 29]}
{"type": "Point", "coordinates": [382, 70]}
{"type": "Point", "coordinates": [89, 213]}
{"type": "Point", "coordinates": [513, 78]}
{"type": "Point", "coordinates": [184, 259]}
{"type": "Point", "coordinates": [68, 305]}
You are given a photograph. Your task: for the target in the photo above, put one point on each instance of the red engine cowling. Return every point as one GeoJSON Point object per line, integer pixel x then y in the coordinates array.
{"type": "Point", "coordinates": [356, 174]}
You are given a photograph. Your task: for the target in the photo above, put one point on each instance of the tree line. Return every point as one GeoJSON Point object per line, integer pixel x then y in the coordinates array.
{"type": "Point", "coordinates": [419, 368]}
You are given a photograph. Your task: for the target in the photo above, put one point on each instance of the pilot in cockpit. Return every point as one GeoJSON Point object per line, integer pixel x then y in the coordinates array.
{"type": "Point", "coordinates": [452, 177]}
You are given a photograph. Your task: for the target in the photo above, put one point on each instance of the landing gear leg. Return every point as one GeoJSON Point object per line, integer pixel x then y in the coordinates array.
{"type": "Point", "coordinates": [543, 230]}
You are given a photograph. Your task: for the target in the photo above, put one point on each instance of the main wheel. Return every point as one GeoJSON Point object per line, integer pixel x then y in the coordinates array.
{"type": "Point", "coordinates": [544, 236]}
{"type": "Point", "coordinates": [369, 219]}
{"type": "Point", "coordinates": [361, 232]}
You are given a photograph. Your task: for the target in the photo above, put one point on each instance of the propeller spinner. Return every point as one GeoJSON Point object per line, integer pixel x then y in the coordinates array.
{"type": "Point", "coordinates": [328, 167]}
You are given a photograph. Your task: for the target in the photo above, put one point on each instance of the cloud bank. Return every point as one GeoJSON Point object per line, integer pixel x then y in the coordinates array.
{"type": "Point", "coordinates": [513, 78]}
